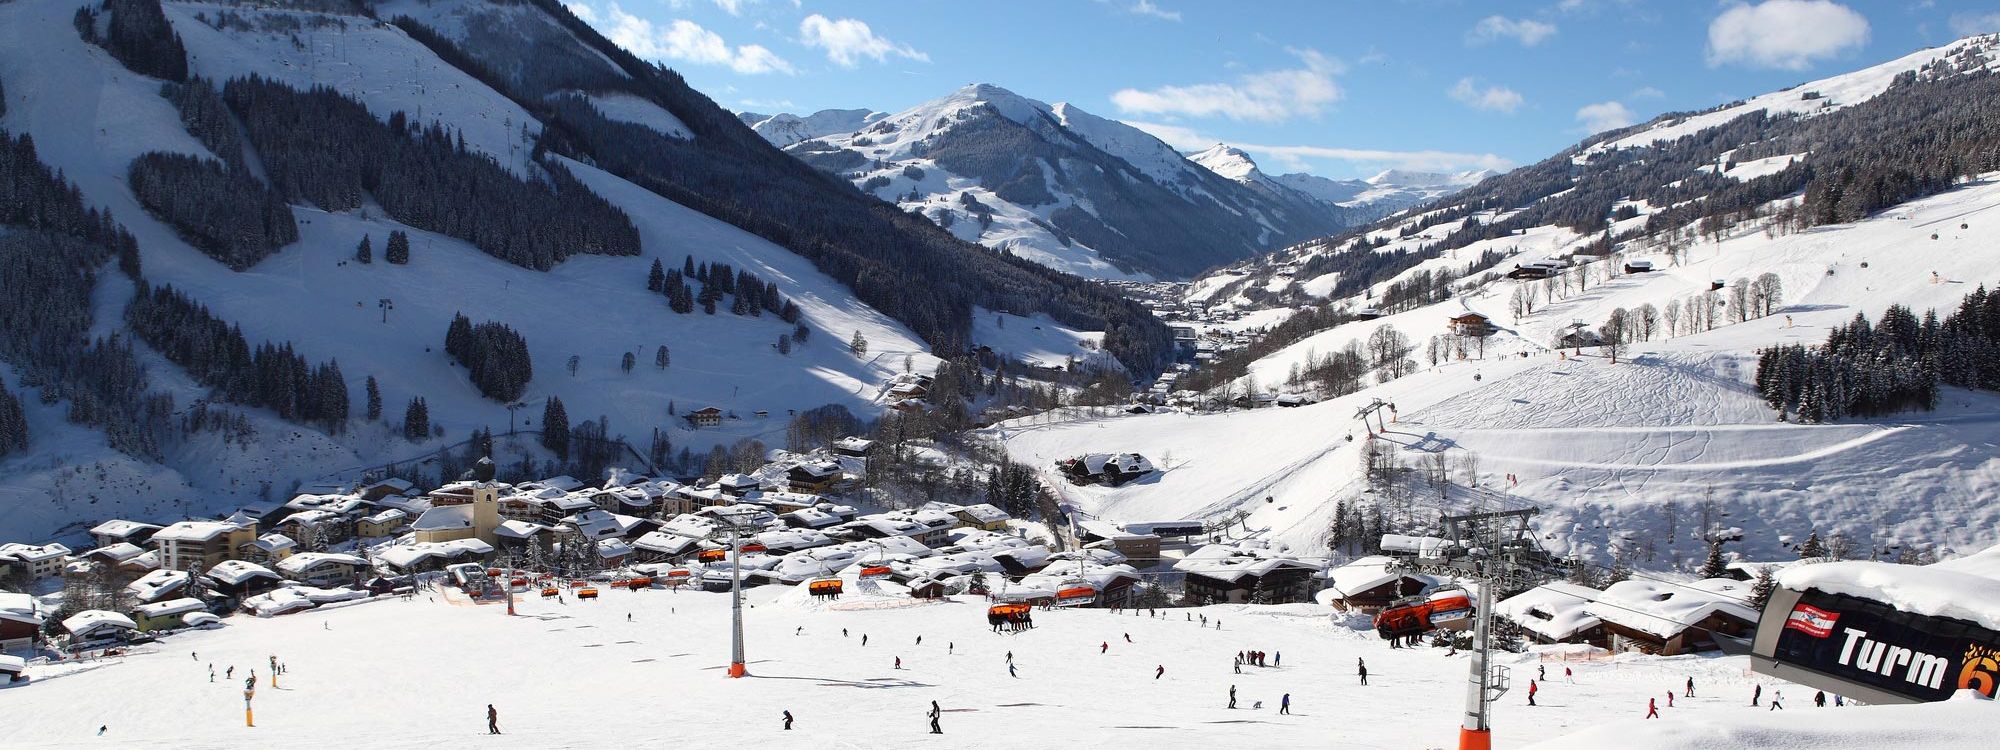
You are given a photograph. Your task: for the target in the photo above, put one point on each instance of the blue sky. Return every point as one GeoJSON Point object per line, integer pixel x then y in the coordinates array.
{"type": "Point", "coordinates": [1340, 88]}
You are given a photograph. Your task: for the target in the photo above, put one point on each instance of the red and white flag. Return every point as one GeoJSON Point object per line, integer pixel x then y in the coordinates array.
{"type": "Point", "coordinates": [1811, 620]}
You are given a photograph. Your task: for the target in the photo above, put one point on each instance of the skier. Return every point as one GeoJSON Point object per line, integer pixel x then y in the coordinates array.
{"type": "Point", "coordinates": [1838, 701]}
{"type": "Point", "coordinates": [1534, 687]}
{"type": "Point", "coordinates": [935, 713]}
{"type": "Point", "coordinates": [1104, 647]}
{"type": "Point", "coordinates": [1820, 699]}
{"type": "Point", "coordinates": [628, 617]}
{"type": "Point", "coordinates": [1690, 688]}
{"type": "Point", "coordinates": [1542, 673]}
{"type": "Point", "coordinates": [1010, 658]}
{"type": "Point", "coordinates": [1277, 658]}
{"type": "Point", "coordinates": [1569, 675]}
{"type": "Point", "coordinates": [1285, 704]}
{"type": "Point", "coordinates": [843, 632]}
{"type": "Point", "coordinates": [788, 721]}
{"type": "Point", "coordinates": [211, 673]}
{"type": "Point", "coordinates": [949, 646]}
{"type": "Point", "coordinates": [1159, 671]}
{"type": "Point", "coordinates": [1232, 696]}
{"type": "Point", "coordinates": [101, 728]}
{"type": "Point", "coordinates": [194, 656]}
{"type": "Point", "coordinates": [1010, 671]}
{"type": "Point", "coordinates": [1670, 699]}
{"type": "Point", "coordinates": [230, 673]}
{"type": "Point", "coordinates": [1128, 637]}
{"type": "Point", "coordinates": [1363, 665]}
{"type": "Point", "coordinates": [899, 662]}
{"type": "Point", "coordinates": [1652, 708]}
{"type": "Point", "coordinates": [1777, 700]}
{"type": "Point", "coordinates": [920, 640]}
{"type": "Point", "coordinates": [800, 631]}
{"type": "Point", "coordinates": [1756, 693]}
{"type": "Point", "coordinates": [492, 720]}
{"type": "Point", "coordinates": [864, 640]}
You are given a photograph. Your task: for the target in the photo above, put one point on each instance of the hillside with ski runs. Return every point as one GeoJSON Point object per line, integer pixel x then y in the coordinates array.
{"type": "Point", "coordinates": [249, 247]}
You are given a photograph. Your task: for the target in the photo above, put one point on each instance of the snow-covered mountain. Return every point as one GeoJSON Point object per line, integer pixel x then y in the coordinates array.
{"type": "Point", "coordinates": [1888, 197]}
{"type": "Point", "coordinates": [1059, 185]}
{"type": "Point", "coordinates": [1383, 194]}
{"type": "Point", "coordinates": [786, 129]}
{"type": "Point", "coordinates": [487, 79]}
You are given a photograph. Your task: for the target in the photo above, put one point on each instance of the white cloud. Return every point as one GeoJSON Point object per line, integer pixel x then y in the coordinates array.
{"type": "Point", "coordinates": [1296, 157]}
{"type": "Point", "coordinates": [1967, 24]}
{"type": "Point", "coordinates": [732, 7]}
{"type": "Point", "coordinates": [1269, 96]}
{"type": "Point", "coordinates": [1603, 116]}
{"type": "Point", "coordinates": [1646, 92]}
{"type": "Point", "coordinates": [1490, 98]}
{"type": "Point", "coordinates": [847, 40]}
{"type": "Point", "coordinates": [1784, 34]}
{"type": "Point", "coordinates": [582, 12]}
{"type": "Point", "coordinates": [1147, 8]}
{"type": "Point", "coordinates": [1526, 31]}
{"type": "Point", "coordinates": [687, 41]}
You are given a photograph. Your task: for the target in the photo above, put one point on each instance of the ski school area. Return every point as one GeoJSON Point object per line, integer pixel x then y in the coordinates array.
{"type": "Point", "coordinates": [647, 667]}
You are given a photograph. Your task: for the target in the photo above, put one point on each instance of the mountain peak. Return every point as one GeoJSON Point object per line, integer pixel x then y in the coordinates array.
{"type": "Point", "coordinates": [1228, 161]}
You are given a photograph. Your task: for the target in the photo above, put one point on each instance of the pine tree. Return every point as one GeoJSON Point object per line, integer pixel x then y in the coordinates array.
{"type": "Point", "coordinates": [660, 357]}
{"type": "Point", "coordinates": [1813, 547]}
{"type": "Point", "coordinates": [1760, 590]}
{"type": "Point", "coordinates": [374, 400]}
{"type": "Point", "coordinates": [627, 362]}
{"type": "Point", "coordinates": [656, 279]}
{"type": "Point", "coordinates": [1713, 567]}
{"type": "Point", "coordinates": [858, 346]}
{"type": "Point", "coordinates": [399, 248]}
{"type": "Point", "coordinates": [417, 421]}
{"type": "Point", "coordinates": [784, 345]}
{"type": "Point", "coordinates": [365, 252]}
{"type": "Point", "coordinates": [13, 424]}
{"type": "Point", "coordinates": [555, 428]}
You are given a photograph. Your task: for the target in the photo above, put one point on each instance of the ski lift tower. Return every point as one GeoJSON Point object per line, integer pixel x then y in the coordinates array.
{"type": "Point", "coordinates": [734, 528]}
{"type": "Point", "coordinates": [1374, 408]}
{"type": "Point", "coordinates": [1496, 549]}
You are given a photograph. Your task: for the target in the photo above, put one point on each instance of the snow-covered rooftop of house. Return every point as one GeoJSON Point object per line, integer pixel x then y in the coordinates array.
{"type": "Point", "coordinates": [273, 542]}
{"type": "Point", "coordinates": [194, 531]}
{"type": "Point", "coordinates": [1552, 610]}
{"type": "Point", "coordinates": [598, 523]}
{"type": "Point", "coordinates": [1965, 588]}
{"type": "Point", "coordinates": [1106, 529]}
{"type": "Point", "coordinates": [775, 497]}
{"type": "Point", "coordinates": [1664, 609]}
{"type": "Point", "coordinates": [121, 528]}
{"type": "Point", "coordinates": [612, 548]}
{"type": "Point", "coordinates": [405, 556]}
{"type": "Point", "coordinates": [238, 572]}
{"type": "Point", "coordinates": [23, 604]}
{"type": "Point", "coordinates": [561, 483]}
{"type": "Point", "coordinates": [388, 515]}
{"type": "Point", "coordinates": [516, 529]}
{"type": "Point", "coordinates": [32, 552]}
{"type": "Point", "coordinates": [737, 481]}
{"type": "Point", "coordinates": [985, 513]}
{"type": "Point", "coordinates": [339, 503]}
{"type": "Point", "coordinates": [1421, 546]}
{"type": "Point", "coordinates": [793, 539]}
{"type": "Point", "coordinates": [12, 664]}
{"type": "Point", "coordinates": [814, 517]}
{"type": "Point", "coordinates": [119, 552]}
{"type": "Point", "coordinates": [1234, 561]}
{"type": "Point", "coordinates": [394, 485]}
{"type": "Point", "coordinates": [665, 542]}
{"type": "Point", "coordinates": [852, 443]}
{"type": "Point", "coordinates": [443, 518]}
{"type": "Point", "coordinates": [312, 518]}
{"type": "Point", "coordinates": [92, 621]}
{"type": "Point", "coordinates": [1061, 572]}
{"type": "Point", "coordinates": [304, 561]}
{"type": "Point", "coordinates": [170, 607]}
{"type": "Point", "coordinates": [1367, 573]}
{"type": "Point", "coordinates": [278, 601]}
{"type": "Point", "coordinates": [155, 585]}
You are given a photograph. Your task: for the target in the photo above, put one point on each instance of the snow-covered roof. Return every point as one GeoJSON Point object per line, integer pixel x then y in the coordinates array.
{"type": "Point", "coordinates": [20, 607]}
{"type": "Point", "coordinates": [1106, 530]}
{"type": "Point", "coordinates": [194, 531]}
{"type": "Point", "coordinates": [1061, 572]}
{"type": "Point", "coordinates": [95, 622]}
{"type": "Point", "coordinates": [1552, 610]}
{"type": "Point", "coordinates": [405, 556]}
{"type": "Point", "coordinates": [1664, 609]}
{"type": "Point", "coordinates": [155, 585]}
{"type": "Point", "coordinates": [119, 552]}
{"type": "Point", "coordinates": [515, 529]}
{"type": "Point", "coordinates": [273, 542]}
{"type": "Point", "coordinates": [1421, 546]}
{"type": "Point", "coordinates": [12, 664]}
{"type": "Point", "coordinates": [562, 483]}
{"type": "Point", "coordinates": [304, 561]}
{"type": "Point", "coordinates": [1232, 562]}
{"type": "Point", "coordinates": [601, 524]}
{"type": "Point", "coordinates": [814, 517]}
{"type": "Point", "coordinates": [665, 542]}
{"type": "Point", "coordinates": [792, 539]}
{"type": "Point", "coordinates": [444, 518]}
{"type": "Point", "coordinates": [339, 503]}
{"type": "Point", "coordinates": [32, 552]}
{"type": "Point", "coordinates": [856, 444]}
{"type": "Point", "coordinates": [737, 481]}
{"type": "Point", "coordinates": [170, 607]}
{"type": "Point", "coordinates": [611, 548]}
{"type": "Point", "coordinates": [237, 572]}
{"type": "Point", "coordinates": [984, 513]}
{"type": "Point", "coordinates": [388, 515]}
{"type": "Point", "coordinates": [1965, 588]}
{"type": "Point", "coordinates": [1367, 573]}
{"type": "Point", "coordinates": [278, 601]}
{"type": "Point", "coordinates": [121, 528]}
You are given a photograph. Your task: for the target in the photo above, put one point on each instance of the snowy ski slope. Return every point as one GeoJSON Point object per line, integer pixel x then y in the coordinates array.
{"type": "Point", "coordinates": [418, 674]}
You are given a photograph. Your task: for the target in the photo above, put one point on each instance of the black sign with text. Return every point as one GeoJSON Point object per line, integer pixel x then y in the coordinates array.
{"type": "Point", "coordinates": [1926, 658]}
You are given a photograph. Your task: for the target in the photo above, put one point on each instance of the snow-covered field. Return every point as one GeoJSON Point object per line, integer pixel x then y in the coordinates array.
{"type": "Point", "coordinates": [418, 674]}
